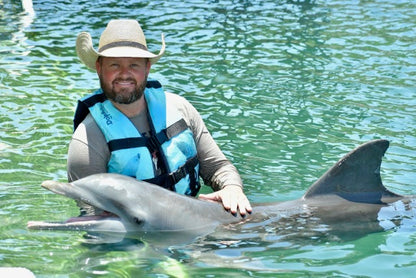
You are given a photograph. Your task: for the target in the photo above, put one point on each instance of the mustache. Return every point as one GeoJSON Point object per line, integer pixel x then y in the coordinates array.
{"type": "Point", "coordinates": [125, 80]}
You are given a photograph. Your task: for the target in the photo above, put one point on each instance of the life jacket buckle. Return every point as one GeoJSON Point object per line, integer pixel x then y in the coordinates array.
{"type": "Point", "coordinates": [178, 174]}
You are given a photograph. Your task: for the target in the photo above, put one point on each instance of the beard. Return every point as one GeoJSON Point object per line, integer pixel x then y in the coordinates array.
{"type": "Point", "coordinates": [123, 96]}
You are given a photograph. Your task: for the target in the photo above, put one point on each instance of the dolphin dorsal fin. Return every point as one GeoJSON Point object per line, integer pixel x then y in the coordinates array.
{"type": "Point", "coordinates": [356, 176]}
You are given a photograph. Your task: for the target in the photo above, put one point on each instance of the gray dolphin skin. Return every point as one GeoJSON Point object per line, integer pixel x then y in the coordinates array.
{"type": "Point", "coordinates": [349, 194]}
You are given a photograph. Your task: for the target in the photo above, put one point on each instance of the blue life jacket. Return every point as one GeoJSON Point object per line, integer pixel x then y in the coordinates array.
{"type": "Point", "coordinates": [131, 153]}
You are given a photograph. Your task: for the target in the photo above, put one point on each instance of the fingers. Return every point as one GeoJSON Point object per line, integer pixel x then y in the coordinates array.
{"type": "Point", "coordinates": [233, 199]}
{"type": "Point", "coordinates": [244, 205]}
{"type": "Point", "coordinates": [236, 201]}
{"type": "Point", "coordinates": [213, 197]}
{"type": "Point", "coordinates": [228, 202]}
{"type": "Point", "coordinates": [241, 204]}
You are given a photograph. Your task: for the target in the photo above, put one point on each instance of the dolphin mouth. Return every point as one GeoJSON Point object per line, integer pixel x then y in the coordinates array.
{"type": "Point", "coordinates": [106, 221]}
{"type": "Point", "coordinates": [95, 217]}
{"type": "Point", "coordinates": [70, 191]}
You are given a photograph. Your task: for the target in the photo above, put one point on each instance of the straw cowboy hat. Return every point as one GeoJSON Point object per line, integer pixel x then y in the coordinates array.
{"type": "Point", "coordinates": [121, 38]}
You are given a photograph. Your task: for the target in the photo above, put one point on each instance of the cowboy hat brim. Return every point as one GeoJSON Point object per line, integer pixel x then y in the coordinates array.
{"type": "Point", "coordinates": [88, 55]}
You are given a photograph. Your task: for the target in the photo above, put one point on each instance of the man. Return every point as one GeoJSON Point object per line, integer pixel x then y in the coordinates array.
{"type": "Point", "coordinates": [132, 127]}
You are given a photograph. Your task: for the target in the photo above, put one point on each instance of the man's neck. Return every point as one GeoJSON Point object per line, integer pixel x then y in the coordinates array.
{"type": "Point", "coordinates": [132, 109]}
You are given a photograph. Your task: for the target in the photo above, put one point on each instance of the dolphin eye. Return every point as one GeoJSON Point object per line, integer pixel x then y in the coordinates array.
{"type": "Point", "coordinates": [137, 220]}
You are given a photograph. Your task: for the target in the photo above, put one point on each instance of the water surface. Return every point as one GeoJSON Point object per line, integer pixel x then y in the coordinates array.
{"type": "Point", "coordinates": [285, 87]}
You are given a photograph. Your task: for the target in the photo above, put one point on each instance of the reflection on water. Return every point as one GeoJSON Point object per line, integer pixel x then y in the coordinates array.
{"type": "Point", "coordinates": [285, 87]}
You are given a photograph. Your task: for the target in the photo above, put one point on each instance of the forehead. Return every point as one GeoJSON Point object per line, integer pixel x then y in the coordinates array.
{"type": "Point", "coordinates": [123, 59]}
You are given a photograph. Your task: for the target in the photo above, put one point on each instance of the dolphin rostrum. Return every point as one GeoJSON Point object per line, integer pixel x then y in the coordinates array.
{"type": "Point", "coordinates": [348, 194]}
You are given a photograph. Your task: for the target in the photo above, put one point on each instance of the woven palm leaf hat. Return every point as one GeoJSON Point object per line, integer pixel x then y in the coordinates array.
{"type": "Point", "coordinates": [121, 38]}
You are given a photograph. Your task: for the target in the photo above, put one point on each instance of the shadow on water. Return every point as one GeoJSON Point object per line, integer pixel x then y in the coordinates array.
{"type": "Point", "coordinates": [111, 242]}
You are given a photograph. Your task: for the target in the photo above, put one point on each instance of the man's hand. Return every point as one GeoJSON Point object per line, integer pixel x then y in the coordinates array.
{"type": "Point", "coordinates": [232, 198]}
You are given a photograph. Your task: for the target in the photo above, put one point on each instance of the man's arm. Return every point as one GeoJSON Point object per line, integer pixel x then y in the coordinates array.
{"type": "Point", "coordinates": [215, 169]}
{"type": "Point", "coordinates": [88, 152]}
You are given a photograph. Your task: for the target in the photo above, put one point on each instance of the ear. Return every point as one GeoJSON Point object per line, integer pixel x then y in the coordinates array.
{"type": "Point", "coordinates": [98, 65]}
{"type": "Point", "coordinates": [148, 66]}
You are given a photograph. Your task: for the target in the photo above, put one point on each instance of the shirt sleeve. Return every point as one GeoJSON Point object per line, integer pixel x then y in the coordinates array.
{"type": "Point", "coordinates": [87, 152]}
{"type": "Point", "coordinates": [215, 169]}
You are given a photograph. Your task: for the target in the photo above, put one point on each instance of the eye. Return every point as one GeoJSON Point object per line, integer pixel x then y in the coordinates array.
{"type": "Point", "coordinates": [137, 220]}
{"type": "Point", "coordinates": [135, 66]}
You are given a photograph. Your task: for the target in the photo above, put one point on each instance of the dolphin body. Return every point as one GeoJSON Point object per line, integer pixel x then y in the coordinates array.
{"type": "Point", "coordinates": [348, 195]}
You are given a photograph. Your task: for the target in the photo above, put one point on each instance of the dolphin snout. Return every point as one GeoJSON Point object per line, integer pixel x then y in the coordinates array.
{"type": "Point", "coordinates": [49, 184]}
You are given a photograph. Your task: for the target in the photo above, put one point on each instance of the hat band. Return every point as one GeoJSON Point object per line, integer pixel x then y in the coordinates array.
{"type": "Point", "coordinates": [122, 43]}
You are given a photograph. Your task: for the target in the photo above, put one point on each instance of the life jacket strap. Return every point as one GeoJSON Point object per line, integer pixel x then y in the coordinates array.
{"type": "Point", "coordinates": [127, 143]}
{"type": "Point", "coordinates": [184, 170]}
{"type": "Point", "coordinates": [171, 131]}
{"type": "Point", "coordinates": [168, 181]}
{"type": "Point", "coordinates": [152, 142]}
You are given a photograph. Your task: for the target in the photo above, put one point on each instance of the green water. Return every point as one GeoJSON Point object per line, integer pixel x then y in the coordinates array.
{"type": "Point", "coordinates": [285, 87]}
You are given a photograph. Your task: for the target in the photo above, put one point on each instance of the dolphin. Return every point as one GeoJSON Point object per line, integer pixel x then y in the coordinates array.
{"type": "Point", "coordinates": [349, 194]}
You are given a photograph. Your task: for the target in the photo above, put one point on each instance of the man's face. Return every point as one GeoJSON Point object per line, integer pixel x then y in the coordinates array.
{"type": "Point", "coordinates": [123, 80]}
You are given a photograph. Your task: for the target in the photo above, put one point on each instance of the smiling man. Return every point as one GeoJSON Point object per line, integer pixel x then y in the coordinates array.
{"type": "Point", "coordinates": [131, 126]}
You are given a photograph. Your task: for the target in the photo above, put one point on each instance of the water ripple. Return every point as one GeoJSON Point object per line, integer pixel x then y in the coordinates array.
{"type": "Point", "coordinates": [285, 87]}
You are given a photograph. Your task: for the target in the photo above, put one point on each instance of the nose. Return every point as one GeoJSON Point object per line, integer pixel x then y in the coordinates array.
{"type": "Point", "coordinates": [124, 71]}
